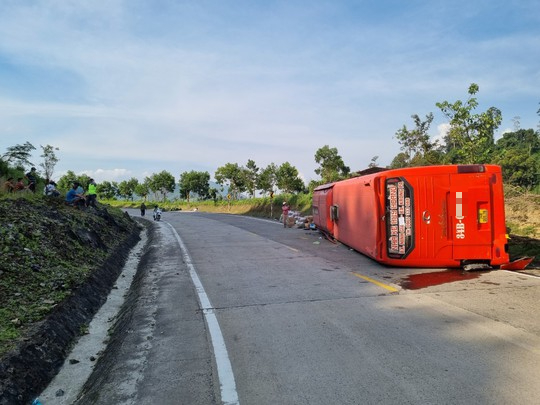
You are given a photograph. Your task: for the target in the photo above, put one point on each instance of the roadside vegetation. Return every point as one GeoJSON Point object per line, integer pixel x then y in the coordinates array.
{"type": "Point", "coordinates": [47, 251]}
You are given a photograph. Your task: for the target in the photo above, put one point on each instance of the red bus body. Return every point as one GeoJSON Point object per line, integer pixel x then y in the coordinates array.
{"type": "Point", "coordinates": [434, 216]}
{"type": "Point", "coordinates": [322, 201]}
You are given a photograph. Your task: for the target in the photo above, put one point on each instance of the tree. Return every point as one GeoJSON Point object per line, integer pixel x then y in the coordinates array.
{"type": "Point", "coordinates": [267, 179]}
{"type": "Point", "coordinates": [142, 189]}
{"type": "Point", "coordinates": [194, 182]}
{"type": "Point", "coordinates": [49, 160]}
{"type": "Point", "coordinates": [402, 159]}
{"type": "Point", "coordinates": [374, 162]}
{"type": "Point", "coordinates": [83, 180]}
{"type": "Point", "coordinates": [162, 183]}
{"type": "Point", "coordinates": [538, 125]}
{"type": "Point", "coordinates": [331, 167]}
{"type": "Point", "coordinates": [127, 188]}
{"type": "Point", "coordinates": [107, 190]}
{"type": "Point", "coordinates": [416, 143]}
{"type": "Point", "coordinates": [517, 123]}
{"type": "Point", "coordinates": [4, 168]}
{"type": "Point", "coordinates": [471, 136]}
{"type": "Point", "coordinates": [252, 175]}
{"type": "Point", "coordinates": [518, 153]}
{"type": "Point", "coordinates": [232, 176]}
{"type": "Point", "coordinates": [65, 182]}
{"type": "Point", "coordinates": [288, 180]}
{"type": "Point", "coordinates": [19, 155]}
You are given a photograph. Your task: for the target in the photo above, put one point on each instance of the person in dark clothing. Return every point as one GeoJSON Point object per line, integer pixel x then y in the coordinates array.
{"type": "Point", "coordinates": [143, 209]}
{"type": "Point", "coordinates": [32, 179]}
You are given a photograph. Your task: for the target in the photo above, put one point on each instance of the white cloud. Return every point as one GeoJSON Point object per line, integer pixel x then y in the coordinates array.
{"type": "Point", "coordinates": [442, 131]}
{"type": "Point", "coordinates": [186, 87]}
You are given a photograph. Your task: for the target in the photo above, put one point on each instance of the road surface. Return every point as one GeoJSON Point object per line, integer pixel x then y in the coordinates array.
{"type": "Point", "coordinates": [232, 309]}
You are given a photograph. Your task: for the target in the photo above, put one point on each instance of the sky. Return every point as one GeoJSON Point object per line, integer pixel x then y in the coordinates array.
{"type": "Point", "coordinates": [128, 88]}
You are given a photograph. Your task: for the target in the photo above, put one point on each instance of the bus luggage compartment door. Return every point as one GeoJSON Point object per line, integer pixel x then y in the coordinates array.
{"type": "Point", "coordinates": [434, 242]}
{"type": "Point", "coordinates": [471, 227]}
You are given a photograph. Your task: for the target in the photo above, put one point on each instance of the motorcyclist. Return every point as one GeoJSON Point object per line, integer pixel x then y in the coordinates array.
{"type": "Point", "coordinates": [157, 213]}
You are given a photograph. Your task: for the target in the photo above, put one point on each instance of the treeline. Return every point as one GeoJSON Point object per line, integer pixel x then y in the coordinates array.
{"type": "Point", "coordinates": [470, 139]}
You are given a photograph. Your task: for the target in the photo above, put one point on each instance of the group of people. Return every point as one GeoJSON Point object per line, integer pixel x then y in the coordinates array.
{"type": "Point", "coordinates": [77, 197]}
{"type": "Point", "coordinates": [12, 186]}
{"type": "Point", "coordinates": [156, 214]}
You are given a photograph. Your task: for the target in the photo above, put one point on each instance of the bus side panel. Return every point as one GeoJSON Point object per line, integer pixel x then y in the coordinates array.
{"type": "Point", "coordinates": [498, 217]}
{"type": "Point", "coordinates": [357, 220]}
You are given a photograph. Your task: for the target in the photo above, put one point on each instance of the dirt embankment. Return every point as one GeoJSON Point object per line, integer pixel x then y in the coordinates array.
{"type": "Point", "coordinates": [57, 266]}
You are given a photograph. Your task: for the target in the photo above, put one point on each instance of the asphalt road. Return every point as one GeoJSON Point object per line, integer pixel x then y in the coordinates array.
{"type": "Point", "coordinates": [241, 310]}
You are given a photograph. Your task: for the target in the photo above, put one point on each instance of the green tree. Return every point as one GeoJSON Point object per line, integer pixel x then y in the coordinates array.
{"type": "Point", "coordinates": [401, 160]}
{"type": "Point", "coordinates": [4, 168]}
{"type": "Point", "coordinates": [416, 144]}
{"type": "Point", "coordinates": [538, 125]}
{"type": "Point", "coordinates": [471, 136]}
{"type": "Point", "coordinates": [252, 176]}
{"type": "Point", "coordinates": [288, 180]}
{"type": "Point", "coordinates": [66, 181]}
{"type": "Point", "coordinates": [332, 167]}
{"type": "Point", "coordinates": [162, 183]}
{"type": "Point", "coordinates": [83, 180]}
{"type": "Point", "coordinates": [126, 188]}
{"type": "Point", "coordinates": [142, 189]}
{"type": "Point", "coordinates": [194, 182]}
{"type": "Point", "coordinates": [518, 153]}
{"type": "Point", "coordinates": [374, 162]}
{"type": "Point", "coordinates": [49, 160]}
{"type": "Point", "coordinates": [107, 190]}
{"type": "Point", "coordinates": [267, 179]}
{"type": "Point", "coordinates": [232, 176]}
{"type": "Point", "coordinates": [19, 155]}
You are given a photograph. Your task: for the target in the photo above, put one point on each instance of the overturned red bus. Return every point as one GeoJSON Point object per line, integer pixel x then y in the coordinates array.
{"type": "Point", "coordinates": [433, 216]}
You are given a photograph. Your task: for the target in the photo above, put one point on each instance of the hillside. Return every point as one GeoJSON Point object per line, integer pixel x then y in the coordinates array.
{"type": "Point", "coordinates": [58, 263]}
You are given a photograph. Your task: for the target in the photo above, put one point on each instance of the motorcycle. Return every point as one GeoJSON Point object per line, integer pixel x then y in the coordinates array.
{"type": "Point", "coordinates": [157, 214]}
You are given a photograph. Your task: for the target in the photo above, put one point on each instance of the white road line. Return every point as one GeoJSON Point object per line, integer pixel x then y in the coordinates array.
{"type": "Point", "coordinates": [229, 396]}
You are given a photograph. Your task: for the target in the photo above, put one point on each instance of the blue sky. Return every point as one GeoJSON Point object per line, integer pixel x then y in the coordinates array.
{"type": "Point", "coordinates": [129, 88]}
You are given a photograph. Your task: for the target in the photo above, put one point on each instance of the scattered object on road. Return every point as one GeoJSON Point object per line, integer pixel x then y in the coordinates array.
{"type": "Point", "coordinates": [518, 264]}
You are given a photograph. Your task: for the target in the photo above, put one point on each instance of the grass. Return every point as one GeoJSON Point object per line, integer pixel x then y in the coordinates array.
{"type": "Point", "coordinates": [47, 250]}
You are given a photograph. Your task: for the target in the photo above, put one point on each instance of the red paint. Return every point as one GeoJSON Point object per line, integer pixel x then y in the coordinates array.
{"type": "Point", "coordinates": [418, 281]}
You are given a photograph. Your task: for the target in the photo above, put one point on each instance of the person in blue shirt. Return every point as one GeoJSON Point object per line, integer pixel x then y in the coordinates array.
{"type": "Point", "coordinates": [73, 198]}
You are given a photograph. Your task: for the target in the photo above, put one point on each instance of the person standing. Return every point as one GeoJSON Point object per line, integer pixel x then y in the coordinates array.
{"type": "Point", "coordinates": [91, 194]}
{"type": "Point", "coordinates": [143, 209]}
{"type": "Point", "coordinates": [32, 179]}
{"type": "Point", "coordinates": [285, 212]}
